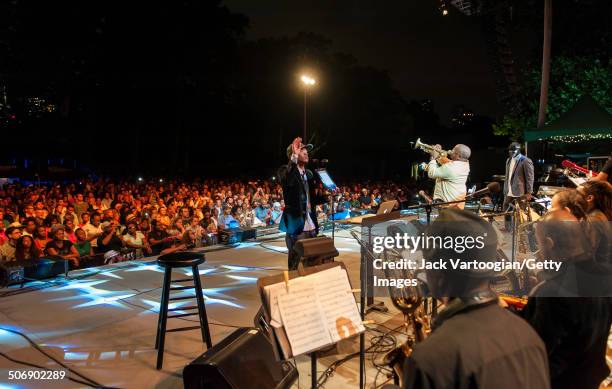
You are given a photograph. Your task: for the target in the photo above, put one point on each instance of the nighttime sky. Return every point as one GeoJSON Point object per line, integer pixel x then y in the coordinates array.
{"type": "Point", "coordinates": [427, 55]}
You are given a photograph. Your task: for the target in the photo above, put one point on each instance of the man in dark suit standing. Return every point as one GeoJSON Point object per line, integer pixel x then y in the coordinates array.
{"type": "Point", "coordinates": [299, 219]}
{"type": "Point", "coordinates": [519, 179]}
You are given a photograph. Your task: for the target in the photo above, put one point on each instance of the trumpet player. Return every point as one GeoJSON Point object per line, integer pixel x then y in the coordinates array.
{"type": "Point", "coordinates": [450, 172]}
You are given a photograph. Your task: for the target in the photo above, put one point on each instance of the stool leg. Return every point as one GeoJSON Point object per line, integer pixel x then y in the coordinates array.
{"type": "Point", "coordinates": [163, 312]}
{"type": "Point", "coordinates": [161, 305]}
{"type": "Point", "coordinates": [201, 307]}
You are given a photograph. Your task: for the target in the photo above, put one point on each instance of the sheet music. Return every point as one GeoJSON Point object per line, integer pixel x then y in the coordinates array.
{"type": "Point", "coordinates": [303, 318]}
{"type": "Point", "coordinates": [272, 293]}
{"type": "Point", "coordinates": [338, 303]}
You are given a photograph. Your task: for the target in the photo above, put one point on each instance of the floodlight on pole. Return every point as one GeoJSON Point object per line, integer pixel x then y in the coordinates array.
{"type": "Point", "coordinates": [308, 81]}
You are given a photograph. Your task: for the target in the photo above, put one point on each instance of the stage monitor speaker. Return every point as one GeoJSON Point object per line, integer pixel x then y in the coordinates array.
{"type": "Point", "coordinates": [17, 272]}
{"type": "Point", "coordinates": [315, 251]}
{"type": "Point", "coordinates": [243, 360]}
{"type": "Point", "coordinates": [236, 235]}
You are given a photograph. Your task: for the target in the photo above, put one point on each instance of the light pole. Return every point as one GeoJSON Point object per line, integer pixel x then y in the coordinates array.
{"type": "Point", "coordinates": [308, 83]}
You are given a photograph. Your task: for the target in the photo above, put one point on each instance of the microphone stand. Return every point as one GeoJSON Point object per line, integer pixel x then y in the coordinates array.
{"type": "Point", "coordinates": [362, 306]}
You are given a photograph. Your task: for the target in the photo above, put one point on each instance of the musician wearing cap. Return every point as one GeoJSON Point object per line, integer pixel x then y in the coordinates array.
{"type": "Point", "coordinates": [474, 343]}
{"type": "Point", "coordinates": [519, 179]}
{"type": "Point", "coordinates": [299, 220]}
{"type": "Point", "coordinates": [450, 173]}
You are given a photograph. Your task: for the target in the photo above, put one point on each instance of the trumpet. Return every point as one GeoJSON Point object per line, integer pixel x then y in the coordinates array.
{"type": "Point", "coordinates": [431, 149]}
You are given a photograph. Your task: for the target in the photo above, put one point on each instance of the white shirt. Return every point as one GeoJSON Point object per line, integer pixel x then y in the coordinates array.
{"type": "Point", "coordinates": [91, 230]}
{"type": "Point", "coordinates": [510, 174]}
{"type": "Point", "coordinates": [308, 223]}
{"type": "Point", "coordinates": [137, 240]}
{"type": "Point", "coordinates": [450, 179]}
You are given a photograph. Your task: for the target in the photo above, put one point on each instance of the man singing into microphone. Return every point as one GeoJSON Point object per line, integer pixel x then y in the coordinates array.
{"type": "Point", "coordinates": [450, 174]}
{"type": "Point", "coordinates": [299, 219]}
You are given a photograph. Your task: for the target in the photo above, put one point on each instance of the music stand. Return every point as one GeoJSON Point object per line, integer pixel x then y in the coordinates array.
{"type": "Point", "coordinates": [330, 185]}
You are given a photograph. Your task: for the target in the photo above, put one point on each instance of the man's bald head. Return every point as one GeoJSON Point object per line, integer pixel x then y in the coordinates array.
{"type": "Point", "coordinates": [561, 236]}
{"type": "Point", "coordinates": [461, 152]}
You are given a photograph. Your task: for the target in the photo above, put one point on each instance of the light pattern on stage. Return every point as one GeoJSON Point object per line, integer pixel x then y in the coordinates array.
{"type": "Point", "coordinates": [92, 288]}
{"type": "Point", "coordinates": [10, 386]}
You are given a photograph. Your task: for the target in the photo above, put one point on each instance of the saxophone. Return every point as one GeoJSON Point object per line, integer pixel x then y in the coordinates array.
{"type": "Point", "coordinates": [419, 323]}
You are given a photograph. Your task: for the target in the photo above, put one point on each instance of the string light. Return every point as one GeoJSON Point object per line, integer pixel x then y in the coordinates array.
{"type": "Point", "coordinates": [580, 138]}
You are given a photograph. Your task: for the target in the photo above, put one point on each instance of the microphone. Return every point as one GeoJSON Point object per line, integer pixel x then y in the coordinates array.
{"type": "Point", "coordinates": [492, 187]}
{"type": "Point", "coordinates": [425, 197]}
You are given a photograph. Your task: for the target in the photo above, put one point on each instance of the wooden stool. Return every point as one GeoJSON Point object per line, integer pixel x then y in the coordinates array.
{"type": "Point", "coordinates": [168, 262]}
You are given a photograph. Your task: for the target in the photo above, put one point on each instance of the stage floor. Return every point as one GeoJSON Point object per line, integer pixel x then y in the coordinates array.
{"type": "Point", "coordinates": [102, 322]}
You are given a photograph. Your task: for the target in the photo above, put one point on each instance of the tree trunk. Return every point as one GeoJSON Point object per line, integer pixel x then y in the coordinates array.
{"type": "Point", "coordinates": [545, 62]}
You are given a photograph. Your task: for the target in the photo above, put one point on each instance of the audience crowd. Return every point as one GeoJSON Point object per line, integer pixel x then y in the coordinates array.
{"type": "Point", "coordinates": [79, 220]}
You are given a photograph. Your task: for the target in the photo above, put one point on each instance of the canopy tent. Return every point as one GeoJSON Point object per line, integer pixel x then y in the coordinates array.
{"type": "Point", "coordinates": [585, 119]}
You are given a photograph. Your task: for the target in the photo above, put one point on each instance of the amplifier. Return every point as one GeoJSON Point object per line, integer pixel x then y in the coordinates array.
{"type": "Point", "coordinates": [236, 235]}
{"type": "Point", "coordinates": [91, 261]}
{"type": "Point", "coordinates": [243, 360]}
{"type": "Point", "coordinates": [16, 272]}
{"type": "Point", "coordinates": [315, 251]}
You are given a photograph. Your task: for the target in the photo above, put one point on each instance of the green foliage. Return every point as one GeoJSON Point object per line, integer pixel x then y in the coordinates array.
{"type": "Point", "coordinates": [570, 79]}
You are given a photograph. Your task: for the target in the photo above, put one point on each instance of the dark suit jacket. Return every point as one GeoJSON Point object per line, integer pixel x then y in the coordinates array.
{"type": "Point", "coordinates": [294, 193]}
{"type": "Point", "coordinates": [484, 347]}
{"type": "Point", "coordinates": [522, 179]}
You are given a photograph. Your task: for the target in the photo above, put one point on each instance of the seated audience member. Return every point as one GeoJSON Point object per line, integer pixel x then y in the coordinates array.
{"type": "Point", "coordinates": [7, 250]}
{"type": "Point", "coordinates": [3, 222]}
{"type": "Point", "coordinates": [598, 196]}
{"type": "Point", "coordinates": [365, 201]}
{"type": "Point", "coordinates": [187, 242]}
{"type": "Point", "coordinates": [69, 227]}
{"type": "Point", "coordinates": [26, 249]}
{"type": "Point", "coordinates": [163, 216]}
{"type": "Point", "coordinates": [80, 207]}
{"type": "Point", "coordinates": [276, 214]}
{"type": "Point", "coordinates": [40, 238]}
{"type": "Point", "coordinates": [262, 213]}
{"type": "Point", "coordinates": [29, 226]}
{"type": "Point", "coordinates": [183, 220]}
{"type": "Point", "coordinates": [28, 211]}
{"type": "Point", "coordinates": [136, 239]}
{"type": "Point", "coordinates": [52, 219]}
{"type": "Point", "coordinates": [109, 239]}
{"type": "Point", "coordinates": [566, 310]}
{"type": "Point", "coordinates": [201, 237]}
{"type": "Point", "coordinates": [474, 343]}
{"type": "Point", "coordinates": [39, 209]}
{"type": "Point", "coordinates": [159, 239]}
{"type": "Point", "coordinates": [58, 246]}
{"type": "Point", "coordinates": [145, 226]}
{"type": "Point", "coordinates": [85, 218]}
{"type": "Point", "coordinates": [83, 245]}
{"type": "Point", "coordinates": [239, 215]}
{"type": "Point", "coordinates": [93, 229]}
{"type": "Point", "coordinates": [113, 256]}
{"type": "Point", "coordinates": [70, 213]}
{"type": "Point", "coordinates": [226, 220]}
